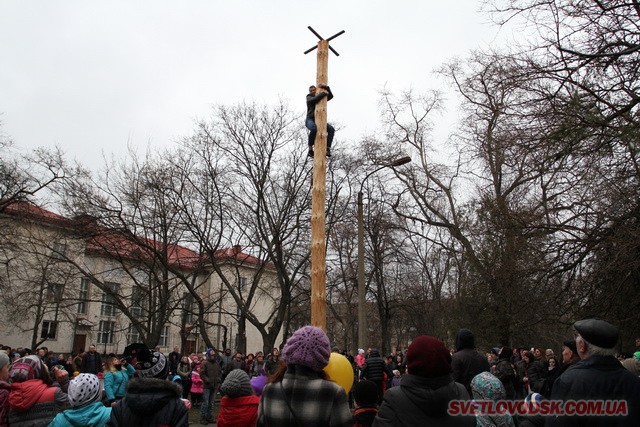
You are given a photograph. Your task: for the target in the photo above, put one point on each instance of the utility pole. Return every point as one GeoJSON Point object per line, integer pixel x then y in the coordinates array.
{"type": "Point", "coordinates": [318, 242]}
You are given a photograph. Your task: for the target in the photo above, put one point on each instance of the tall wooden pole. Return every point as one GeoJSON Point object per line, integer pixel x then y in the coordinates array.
{"type": "Point", "coordinates": [318, 244]}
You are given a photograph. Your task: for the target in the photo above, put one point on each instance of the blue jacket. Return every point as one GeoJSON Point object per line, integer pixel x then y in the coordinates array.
{"type": "Point", "coordinates": [115, 383]}
{"type": "Point", "coordinates": [92, 415]}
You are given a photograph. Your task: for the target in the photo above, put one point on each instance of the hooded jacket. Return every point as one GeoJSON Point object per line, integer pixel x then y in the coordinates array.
{"type": "Point", "coordinates": [92, 415]}
{"type": "Point", "coordinates": [238, 411]}
{"type": "Point", "coordinates": [466, 362]}
{"type": "Point", "coordinates": [150, 402]}
{"type": "Point", "coordinates": [34, 403]}
{"type": "Point", "coordinates": [422, 401]}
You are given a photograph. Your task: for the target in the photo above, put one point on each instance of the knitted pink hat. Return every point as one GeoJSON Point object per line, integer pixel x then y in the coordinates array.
{"type": "Point", "coordinates": [308, 346]}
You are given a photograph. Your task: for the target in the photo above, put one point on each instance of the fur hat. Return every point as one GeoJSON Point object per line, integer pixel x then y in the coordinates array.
{"type": "Point", "coordinates": [308, 346]}
{"type": "Point", "coordinates": [152, 365]}
{"type": "Point", "coordinates": [236, 384]}
{"type": "Point", "coordinates": [26, 368]}
{"type": "Point", "coordinates": [428, 357]}
{"type": "Point", "coordinates": [84, 389]}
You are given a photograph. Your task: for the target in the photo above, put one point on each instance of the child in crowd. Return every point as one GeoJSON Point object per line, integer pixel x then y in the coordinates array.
{"type": "Point", "coordinates": [395, 381]}
{"type": "Point", "coordinates": [239, 406]}
{"type": "Point", "coordinates": [86, 408]}
{"type": "Point", "coordinates": [365, 395]}
{"type": "Point", "coordinates": [197, 386]}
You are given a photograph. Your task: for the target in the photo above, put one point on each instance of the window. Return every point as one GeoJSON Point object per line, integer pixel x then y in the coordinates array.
{"type": "Point", "coordinates": [132, 335]}
{"type": "Point", "coordinates": [164, 337]}
{"type": "Point", "coordinates": [105, 332]}
{"type": "Point", "coordinates": [49, 330]}
{"type": "Point", "coordinates": [54, 291]}
{"type": "Point", "coordinates": [59, 250]}
{"type": "Point", "coordinates": [242, 283]}
{"type": "Point", "coordinates": [83, 296]}
{"type": "Point", "coordinates": [188, 305]}
{"type": "Point", "coordinates": [108, 307]}
{"type": "Point", "coordinates": [138, 302]}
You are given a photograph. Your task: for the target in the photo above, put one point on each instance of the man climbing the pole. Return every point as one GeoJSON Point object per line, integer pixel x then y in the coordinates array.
{"type": "Point", "coordinates": [313, 97]}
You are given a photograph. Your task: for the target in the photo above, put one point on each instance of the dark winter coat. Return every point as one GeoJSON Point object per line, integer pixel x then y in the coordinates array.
{"type": "Point", "coordinates": [375, 368]}
{"type": "Point", "coordinates": [150, 402]}
{"type": "Point", "coordinates": [505, 371]}
{"type": "Point", "coordinates": [422, 402]}
{"type": "Point", "coordinates": [312, 100]}
{"type": "Point", "coordinates": [211, 374]}
{"type": "Point", "coordinates": [91, 363]}
{"type": "Point", "coordinates": [537, 374]}
{"type": "Point", "coordinates": [466, 362]}
{"type": "Point", "coordinates": [595, 378]}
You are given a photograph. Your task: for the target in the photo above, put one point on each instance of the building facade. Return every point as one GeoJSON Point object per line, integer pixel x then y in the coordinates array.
{"type": "Point", "coordinates": [67, 283]}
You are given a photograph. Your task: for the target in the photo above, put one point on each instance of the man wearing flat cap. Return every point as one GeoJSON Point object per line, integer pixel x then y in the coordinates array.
{"type": "Point", "coordinates": [597, 376]}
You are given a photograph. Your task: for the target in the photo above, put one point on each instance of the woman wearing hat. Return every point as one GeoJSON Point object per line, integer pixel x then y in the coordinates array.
{"type": "Point", "coordinates": [304, 396]}
{"type": "Point", "coordinates": [425, 391]}
{"type": "Point", "coordinates": [33, 399]}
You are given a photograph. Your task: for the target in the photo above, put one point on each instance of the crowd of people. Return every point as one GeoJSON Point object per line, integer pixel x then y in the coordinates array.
{"type": "Point", "coordinates": [144, 387]}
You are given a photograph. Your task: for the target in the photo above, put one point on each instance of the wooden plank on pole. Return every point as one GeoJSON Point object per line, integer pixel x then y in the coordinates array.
{"type": "Point", "coordinates": [318, 233]}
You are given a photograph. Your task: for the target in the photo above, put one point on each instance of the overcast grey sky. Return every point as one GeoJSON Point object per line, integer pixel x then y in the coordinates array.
{"type": "Point", "coordinates": [93, 76]}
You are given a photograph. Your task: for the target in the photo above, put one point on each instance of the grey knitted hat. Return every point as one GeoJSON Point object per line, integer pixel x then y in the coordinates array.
{"type": "Point", "coordinates": [237, 384]}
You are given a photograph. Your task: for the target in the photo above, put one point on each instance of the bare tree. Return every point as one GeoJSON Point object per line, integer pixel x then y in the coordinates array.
{"type": "Point", "coordinates": [265, 208]}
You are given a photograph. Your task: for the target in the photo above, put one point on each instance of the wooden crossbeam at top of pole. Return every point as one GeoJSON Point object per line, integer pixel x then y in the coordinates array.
{"type": "Point", "coordinates": [320, 38]}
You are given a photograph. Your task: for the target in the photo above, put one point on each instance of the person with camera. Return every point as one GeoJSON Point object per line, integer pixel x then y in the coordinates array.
{"type": "Point", "coordinates": [117, 372]}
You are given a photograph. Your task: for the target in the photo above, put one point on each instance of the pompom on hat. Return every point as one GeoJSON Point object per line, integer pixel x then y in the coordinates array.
{"type": "Point", "coordinates": [308, 346]}
{"type": "Point", "coordinates": [236, 384]}
{"type": "Point", "coordinates": [84, 389]}
{"type": "Point", "coordinates": [428, 357]}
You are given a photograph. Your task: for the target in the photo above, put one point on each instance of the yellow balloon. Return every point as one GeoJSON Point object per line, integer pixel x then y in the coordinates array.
{"type": "Point", "coordinates": [339, 371]}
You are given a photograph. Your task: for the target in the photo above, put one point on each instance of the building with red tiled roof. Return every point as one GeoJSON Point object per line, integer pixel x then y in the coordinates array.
{"type": "Point", "coordinates": [83, 283]}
